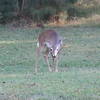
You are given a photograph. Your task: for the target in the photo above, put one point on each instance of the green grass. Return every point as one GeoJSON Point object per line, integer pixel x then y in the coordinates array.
{"type": "Point", "coordinates": [79, 76]}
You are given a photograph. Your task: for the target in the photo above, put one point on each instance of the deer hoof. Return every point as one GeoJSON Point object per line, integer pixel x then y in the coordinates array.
{"type": "Point", "coordinates": [56, 70]}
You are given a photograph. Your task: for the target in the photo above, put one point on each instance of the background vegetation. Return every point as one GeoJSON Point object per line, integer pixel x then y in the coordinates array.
{"type": "Point", "coordinates": [44, 10]}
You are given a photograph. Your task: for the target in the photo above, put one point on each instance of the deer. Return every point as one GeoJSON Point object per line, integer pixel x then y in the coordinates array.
{"type": "Point", "coordinates": [49, 43]}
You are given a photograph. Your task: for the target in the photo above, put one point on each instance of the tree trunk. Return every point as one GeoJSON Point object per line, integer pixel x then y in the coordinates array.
{"type": "Point", "coordinates": [20, 5]}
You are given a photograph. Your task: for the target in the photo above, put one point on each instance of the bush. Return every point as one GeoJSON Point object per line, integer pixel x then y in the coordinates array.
{"type": "Point", "coordinates": [7, 10]}
{"type": "Point", "coordinates": [78, 12]}
{"type": "Point", "coordinates": [43, 14]}
{"type": "Point", "coordinates": [71, 1]}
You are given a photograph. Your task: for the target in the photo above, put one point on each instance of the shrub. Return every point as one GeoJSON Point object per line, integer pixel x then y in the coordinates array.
{"type": "Point", "coordinates": [71, 1]}
{"type": "Point", "coordinates": [7, 10]}
{"type": "Point", "coordinates": [78, 12]}
{"type": "Point", "coordinates": [43, 14]}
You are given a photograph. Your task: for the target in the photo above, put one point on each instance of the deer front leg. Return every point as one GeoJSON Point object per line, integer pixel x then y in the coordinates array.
{"type": "Point", "coordinates": [47, 60]}
{"type": "Point", "coordinates": [56, 63]}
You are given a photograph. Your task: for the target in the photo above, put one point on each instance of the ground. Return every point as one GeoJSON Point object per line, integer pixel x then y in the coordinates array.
{"type": "Point", "coordinates": [79, 66]}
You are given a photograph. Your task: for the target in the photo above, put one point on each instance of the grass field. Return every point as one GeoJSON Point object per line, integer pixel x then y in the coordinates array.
{"type": "Point", "coordinates": [79, 67]}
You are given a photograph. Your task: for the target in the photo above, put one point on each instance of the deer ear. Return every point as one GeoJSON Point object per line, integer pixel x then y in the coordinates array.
{"type": "Point", "coordinates": [60, 41]}
{"type": "Point", "coordinates": [47, 45]}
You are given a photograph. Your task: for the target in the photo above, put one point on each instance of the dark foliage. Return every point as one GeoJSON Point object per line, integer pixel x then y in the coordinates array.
{"type": "Point", "coordinates": [38, 10]}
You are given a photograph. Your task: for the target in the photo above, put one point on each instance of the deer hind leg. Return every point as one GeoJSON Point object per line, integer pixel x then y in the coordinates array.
{"type": "Point", "coordinates": [47, 59]}
{"type": "Point", "coordinates": [37, 58]}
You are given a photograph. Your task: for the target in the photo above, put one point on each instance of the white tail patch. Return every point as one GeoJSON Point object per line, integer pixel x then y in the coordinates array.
{"type": "Point", "coordinates": [37, 44]}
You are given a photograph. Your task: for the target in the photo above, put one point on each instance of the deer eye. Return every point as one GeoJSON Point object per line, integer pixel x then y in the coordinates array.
{"type": "Point", "coordinates": [51, 49]}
